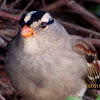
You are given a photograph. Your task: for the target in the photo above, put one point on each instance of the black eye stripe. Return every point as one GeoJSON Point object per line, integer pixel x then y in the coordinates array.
{"type": "Point", "coordinates": [50, 21]}
{"type": "Point", "coordinates": [35, 17]}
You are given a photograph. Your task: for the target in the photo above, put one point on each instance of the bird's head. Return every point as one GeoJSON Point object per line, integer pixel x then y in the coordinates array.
{"type": "Point", "coordinates": [34, 22]}
{"type": "Point", "coordinates": [39, 30]}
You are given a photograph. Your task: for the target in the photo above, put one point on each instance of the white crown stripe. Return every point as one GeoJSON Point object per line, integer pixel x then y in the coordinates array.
{"type": "Point", "coordinates": [28, 16]}
{"type": "Point", "coordinates": [45, 18]}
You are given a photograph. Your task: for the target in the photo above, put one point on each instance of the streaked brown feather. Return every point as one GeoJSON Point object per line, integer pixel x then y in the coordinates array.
{"type": "Point", "coordinates": [85, 48]}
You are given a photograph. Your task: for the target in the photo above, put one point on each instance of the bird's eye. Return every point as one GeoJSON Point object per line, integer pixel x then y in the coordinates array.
{"type": "Point", "coordinates": [43, 24]}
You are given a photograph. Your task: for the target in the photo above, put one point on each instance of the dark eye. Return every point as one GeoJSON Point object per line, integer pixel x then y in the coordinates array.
{"type": "Point", "coordinates": [43, 24]}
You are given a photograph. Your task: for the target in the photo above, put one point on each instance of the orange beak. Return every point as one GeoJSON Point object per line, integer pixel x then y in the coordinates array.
{"type": "Point", "coordinates": [26, 31]}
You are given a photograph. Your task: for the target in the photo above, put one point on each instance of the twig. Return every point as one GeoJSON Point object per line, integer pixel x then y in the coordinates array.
{"type": "Point", "coordinates": [7, 39]}
{"type": "Point", "coordinates": [94, 41]}
{"type": "Point", "coordinates": [7, 26]}
{"type": "Point", "coordinates": [4, 4]}
{"type": "Point", "coordinates": [43, 3]}
{"type": "Point", "coordinates": [13, 4]}
{"type": "Point", "coordinates": [11, 11]}
{"type": "Point", "coordinates": [79, 29]}
{"type": "Point", "coordinates": [6, 86]}
{"type": "Point", "coordinates": [1, 97]}
{"type": "Point", "coordinates": [90, 18]}
{"type": "Point", "coordinates": [9, 16]}
{"type": "Point", "coordinates": [7, 35]}
{"type": "Point", "coordinates": [23, 11]}
{"type": "Point", "coordinates": [0, 1]}
{"type": "Point", "coordinates": [55, 5]}
{"type": "Point", "coordinates": [2, 43]}
{"type": "Point", "coordinates": [8, 32]}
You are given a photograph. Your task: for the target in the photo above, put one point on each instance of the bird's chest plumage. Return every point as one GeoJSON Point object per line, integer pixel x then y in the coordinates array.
{"type": "Point", "coordinates": [43, 71]}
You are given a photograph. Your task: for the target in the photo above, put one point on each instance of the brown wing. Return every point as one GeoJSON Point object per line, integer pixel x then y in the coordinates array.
{"type": "Point", "coordinates": [85, 48]}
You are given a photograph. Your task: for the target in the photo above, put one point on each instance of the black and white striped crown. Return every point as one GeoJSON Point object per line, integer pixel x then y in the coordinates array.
{"type": "Point", "coordinates": [34, 16]}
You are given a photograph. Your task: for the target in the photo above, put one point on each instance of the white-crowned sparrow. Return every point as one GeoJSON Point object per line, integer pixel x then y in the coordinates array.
{"type": "Point", "coordinates": [44, 62]}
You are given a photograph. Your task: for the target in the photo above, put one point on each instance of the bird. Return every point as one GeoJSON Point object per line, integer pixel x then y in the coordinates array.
{"type": "Point", "coordinates": [45, 62]}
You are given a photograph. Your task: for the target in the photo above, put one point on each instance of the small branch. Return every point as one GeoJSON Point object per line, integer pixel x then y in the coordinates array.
{"type": "Point", "coordinates": [55, 5]}
{"type": "Point", "coordinates": [79, 29]}
{"type": "Point", "coordinates": [1, 97]}
{"type": "Point", "coordinates": [3, 26]}
{"type": "Point", "coordinates": [4, 4]}
{"type": "Point", "coordinates": [6, 86]}
{"type": "Point", "coordinates": [3, 44]}
{"type": "Point", "coordinates": [0, 1]}
{"type": "Point", "coordinates": [43, 3]}
{"type": "Point", "coordinates": [13, 4]}
{"type": "Point", "coordinates": [11, 11]}
{"type": "Point", "coordinates": [10, 16]}
{"type": "Point", "coordinates": [29, 4]}
{"type": "Point", "coordinates": [7, 35]}
{"type": "Point", "coordinates": [7, 39]}
{"type": "Point", "coordinates": [94, 41]}
{"type": "Point", "coordinates": [90, 18]}
{"type": "Point", "coordinates": [8, 32]}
